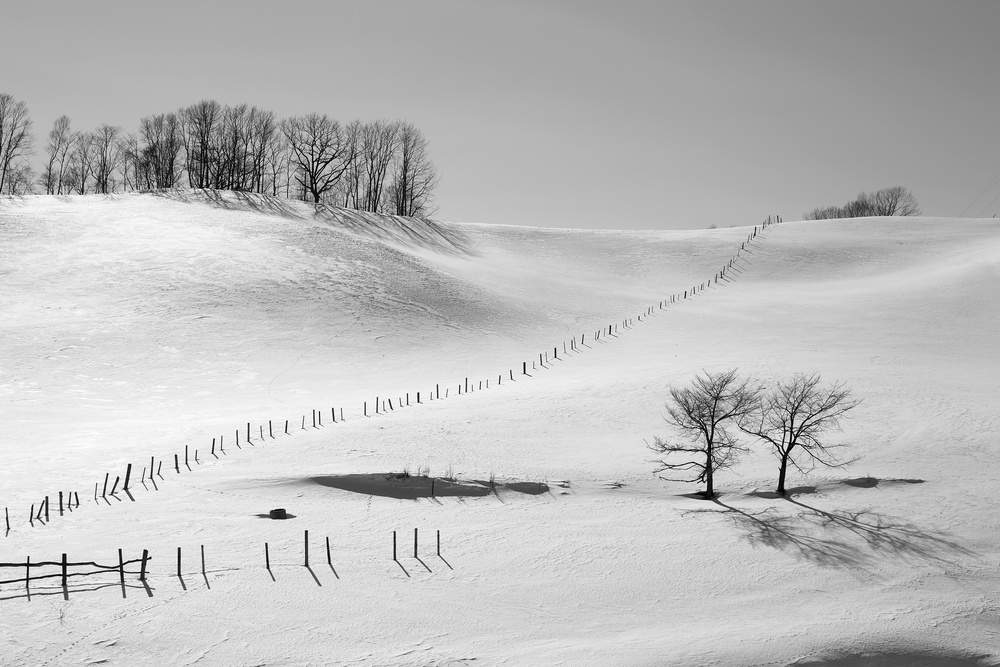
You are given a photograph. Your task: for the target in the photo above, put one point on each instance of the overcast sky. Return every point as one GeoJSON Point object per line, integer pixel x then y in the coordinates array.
{"type": "Point", "coordinates": [569, 113]}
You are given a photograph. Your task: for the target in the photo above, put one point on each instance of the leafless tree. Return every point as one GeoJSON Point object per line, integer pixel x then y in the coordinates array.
{"type": "Point", "coordinates": [896, 200]}
{"type": "Point", "coordinates": [413, 174]}
{"type": "Point", "coordinates": [378, 145]}
{"type": "Point", "coordinates": [16, 138]}
{"type": "Point", "coordinates": [60, 143]}
{"type": "Point", "coordinates": [348, 190]}
{"type": "Point", "coordinates": [318, 152]}
{"type": "Point", "coordinates": [793, 416]}
{"type": "Point", "coordinates": [105, 157]}
{"type": "Point", "coordinates": [703, 415]}
{"type": "Point", "coordinates": [81, 163]}
{"type": "Point", "coordinates": [136, 174]}
{"type": "Point", "coordinates": [20, 178]}
{"type": "Point", "coordinates": [200, 123]}
{"type": "Point", "coordinates": [163, 141]}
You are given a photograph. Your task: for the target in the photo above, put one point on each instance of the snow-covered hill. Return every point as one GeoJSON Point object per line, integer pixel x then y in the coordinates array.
{"type": "Point", "coordinates": [136, 325]}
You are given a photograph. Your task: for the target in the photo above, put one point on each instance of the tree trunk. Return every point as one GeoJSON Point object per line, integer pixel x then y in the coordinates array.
{"type": "Point", "coordinates": [709, 488]}
{"type": "Point", "coordinates": [781, 475]}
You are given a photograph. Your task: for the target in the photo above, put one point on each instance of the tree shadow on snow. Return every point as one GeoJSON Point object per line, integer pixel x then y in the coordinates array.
{"type": "Point", "coordinates": [847, 539]}
{"type": "Point", "coordinates": [406, 231]}
{"type": "Point", "coordinates": [907, 659]}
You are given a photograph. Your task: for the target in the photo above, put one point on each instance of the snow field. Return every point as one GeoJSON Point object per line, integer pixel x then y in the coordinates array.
{"type": "Point", "coordinates": [266, 317]}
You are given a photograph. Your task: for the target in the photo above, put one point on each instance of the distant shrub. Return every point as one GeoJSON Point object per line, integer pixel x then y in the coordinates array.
{"type": "Point", "coordinates": [896, 200]}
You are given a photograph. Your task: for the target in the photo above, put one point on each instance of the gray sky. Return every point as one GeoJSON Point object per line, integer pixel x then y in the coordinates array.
{"type": "Point", "coordinates": [569, 113]}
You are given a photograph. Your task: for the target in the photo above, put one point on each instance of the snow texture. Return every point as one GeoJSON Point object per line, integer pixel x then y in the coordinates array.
{"type": "Point", "coordinates": [135, 326]}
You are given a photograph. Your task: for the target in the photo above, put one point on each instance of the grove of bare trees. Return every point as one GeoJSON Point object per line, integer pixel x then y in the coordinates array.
{"type": "Point", "coordinates": [381, 166]}
{"type": "Point", "coordinates": [16, 143]}
{"type": "Point", "coordinates": [791, 417]}
{"type": "Point", "coordinates": [896, 200]}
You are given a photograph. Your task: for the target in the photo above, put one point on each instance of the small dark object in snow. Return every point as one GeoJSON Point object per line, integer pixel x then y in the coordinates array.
{"type": "Point", "coordinates": [279, 513]}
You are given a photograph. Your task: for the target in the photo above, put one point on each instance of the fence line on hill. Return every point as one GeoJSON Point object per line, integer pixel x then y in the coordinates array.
{"type": "Point", "coordinates": [382, 405]}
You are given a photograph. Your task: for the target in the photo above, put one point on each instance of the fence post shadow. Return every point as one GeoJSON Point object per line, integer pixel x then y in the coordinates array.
{"type": "Point", "coordinates": [417, 558]}
{"type": "Point", "coordinates": [402, 568]}
{"type": "Point", "coordinates": [315, 578]}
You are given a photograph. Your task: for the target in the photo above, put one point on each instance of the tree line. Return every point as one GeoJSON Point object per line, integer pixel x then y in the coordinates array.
{"type": "Point", "coordinates": [380, 166]}
{"type": "Point", "coordinates": [896, 200]}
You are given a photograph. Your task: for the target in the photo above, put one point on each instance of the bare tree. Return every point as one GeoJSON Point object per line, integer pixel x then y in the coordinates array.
{"type": "Point", "coordinates": [16, 139]}
{"type": "Point", "coordinates": [105, 157]}
{"type": "Point", "coordinates": [896, 200]}
{"type": "Point", "coordinates": [318, 152]}
{"type": "Point", "coordinates": [793, 416]}
{"type": "Point", "coordinates": [348, 191]}
{"type": "Point", "coordinates": [378, 145]}
{"type": "Point", "coordinates": [163, 141]}
{"type": "Point", "coordinates": [702, 414]}
{"type": "Point", "coordinates": [413, 174]}
{"type": "Point", "coordinates": [57, 149]}
{"type": "Point", "coordinates": [200, 125]}
{"type": "Point", "coordinates": [275, 164]}
{"type": "Point", "coordinates": [81, 163]}
{"type": "Point", "coordinates": [19, 180]}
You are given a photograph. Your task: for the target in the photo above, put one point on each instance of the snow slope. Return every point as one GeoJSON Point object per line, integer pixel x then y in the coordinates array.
{"type": "Point", "coordinates": [137, 324]}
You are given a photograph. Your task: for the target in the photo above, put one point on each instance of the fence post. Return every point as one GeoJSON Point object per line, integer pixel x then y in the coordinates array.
{"type": "Point", "coordinates": [307, 547]}
{"type": "Point", "coordinates": [394, 545]}
{"type": "Point", "coordinates": [128, 474]}
{"type": "Point", "coordinates": [439, 543]}
{"type": "Point", "coordinates": [203, 562]}
{"type": "Point", "coordinates": [64, 570]}
{"type": "Point", "coordinates": [142, 570]}
{"type": "Point", "coordinates": [414, 542]}
{"type": "Point", "coordinates": [329, 559]}
{"type": "Point", "coordinates": [178, 562]}
{"type": "Point", "coordinates": [267, 557]}
{"type": "Point", "coordinates": [60, 503]}
{"type": "Point", "coordinates": [121, 567]}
